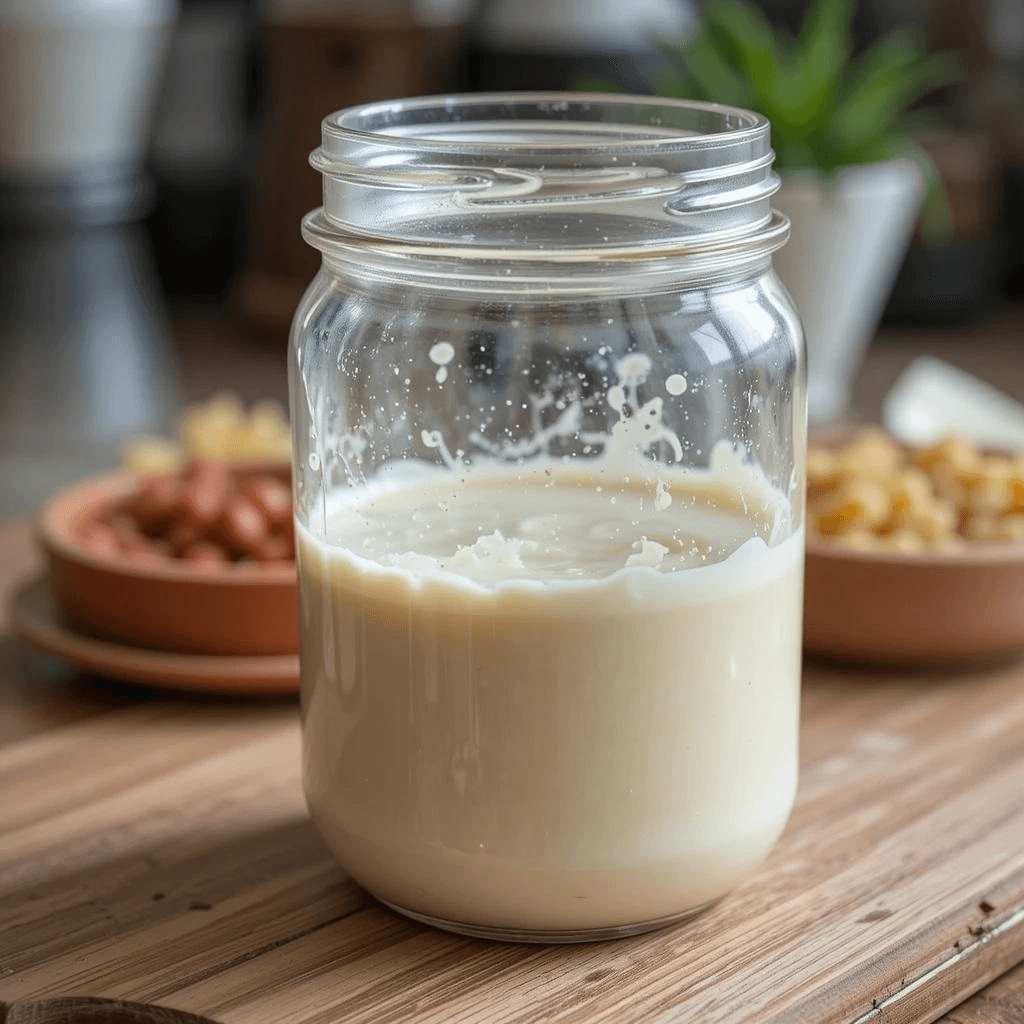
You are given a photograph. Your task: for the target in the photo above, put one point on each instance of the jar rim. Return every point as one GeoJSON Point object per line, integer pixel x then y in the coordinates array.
{"type": "Point", "coordinates": [674, 125]}
{"type": "Point", "coordinates": [544, 177]}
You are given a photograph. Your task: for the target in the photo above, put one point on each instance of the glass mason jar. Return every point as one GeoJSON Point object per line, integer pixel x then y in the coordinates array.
{"type": "Point", "coordinates": [549, 423]}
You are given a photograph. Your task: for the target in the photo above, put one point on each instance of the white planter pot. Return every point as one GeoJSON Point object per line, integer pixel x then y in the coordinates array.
{"type": "Point", "coordinates": [76, 81]}
{"type": "Point", "coordinates": [847, 243]}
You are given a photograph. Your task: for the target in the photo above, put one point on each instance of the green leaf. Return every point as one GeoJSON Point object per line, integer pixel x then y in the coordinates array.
{"type": "Point", "coordinates": [826, 109]}
{"type": "Point", "coordinates": [675, 82]}
{"type": "Point", "coordinates": [936, 216]}
{"type": "Point", "coordinates": [876, 104]}
{"type": "Point", "coordinates": [767, 59]}
{"type": "Point", "coordinates": [591, 83]}
{"type": "Point", "coordinates": [825, 46]}
{"type": "Point", "coordinates": [792, 153]}
{"type": "Point", "coordinates": [884, 82]}
{"type": "Point", "coordinates": [899, 49]}
{"type": "Point", "coordinates": [672, 49]}
{"type": "Point", "coordinates": [711, 72]}
{"type": "Point", "coordinates": [743, 36]}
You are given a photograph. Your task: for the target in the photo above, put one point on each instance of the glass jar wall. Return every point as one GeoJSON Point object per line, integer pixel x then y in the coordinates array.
{"type": "Point", "coordinates": [549, 424]}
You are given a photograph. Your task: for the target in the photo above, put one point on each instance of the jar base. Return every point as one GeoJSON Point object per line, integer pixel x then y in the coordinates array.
{"type": "Point", "coordinates": [549, 936]}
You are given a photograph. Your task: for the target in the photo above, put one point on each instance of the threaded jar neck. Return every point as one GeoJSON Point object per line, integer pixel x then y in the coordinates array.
{"type": "Point", "coordinates": [541, 178]}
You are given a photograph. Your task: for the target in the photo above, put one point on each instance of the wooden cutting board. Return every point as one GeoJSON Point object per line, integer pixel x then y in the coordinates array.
{"type": "Point", "coordinates": [159, 851]}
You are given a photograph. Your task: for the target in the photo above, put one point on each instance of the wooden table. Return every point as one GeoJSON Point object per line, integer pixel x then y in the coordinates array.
{"type": "Point", "coordinates": [156, 848]}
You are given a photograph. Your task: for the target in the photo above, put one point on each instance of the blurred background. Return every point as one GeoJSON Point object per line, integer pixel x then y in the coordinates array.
{"type": "Point", "coordinates": [153, 171]}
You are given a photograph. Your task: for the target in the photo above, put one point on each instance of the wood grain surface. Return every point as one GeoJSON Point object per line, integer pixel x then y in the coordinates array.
{"type": "Point", "coordinates": [157, 849]}
{"type": "Point", "coordinates": [1001, 1003]}
{"type": "Point", "coordinates": [36, 694]}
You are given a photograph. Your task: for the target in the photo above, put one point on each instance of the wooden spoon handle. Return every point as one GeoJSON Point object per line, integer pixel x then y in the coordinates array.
{"type": "Point", "coordinates": [89, 1010]}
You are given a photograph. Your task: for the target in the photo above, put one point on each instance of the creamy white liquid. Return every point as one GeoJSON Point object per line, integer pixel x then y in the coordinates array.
{"type": "Point", "coordinates": [552, 698]}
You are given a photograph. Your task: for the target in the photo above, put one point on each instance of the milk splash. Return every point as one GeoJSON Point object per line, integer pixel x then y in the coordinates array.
{"type": "Point", "coordinates": [638, 428]}
{"type": "Point", "coordinates": [634, 468]}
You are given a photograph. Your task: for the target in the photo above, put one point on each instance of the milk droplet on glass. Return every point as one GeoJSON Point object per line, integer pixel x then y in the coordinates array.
{"type": "Point", "coordinates": [442, 353]}
{"type": "Point", "coordinates": [662, 498]}
{"type": "Point", "coordinates": [633, 369]}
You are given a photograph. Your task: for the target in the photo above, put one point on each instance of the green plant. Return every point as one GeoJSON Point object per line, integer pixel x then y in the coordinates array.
{"type": "Point", "coordinates": [827, 107]}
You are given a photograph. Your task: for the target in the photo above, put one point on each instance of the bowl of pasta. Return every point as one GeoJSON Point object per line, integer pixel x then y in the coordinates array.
{"type": "Point", "coordinates": [915, 555]}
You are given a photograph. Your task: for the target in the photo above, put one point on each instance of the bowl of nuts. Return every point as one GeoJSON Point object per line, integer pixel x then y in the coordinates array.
{"type": "Point", "coordinates": [914, 555]}
{"type": "Point", "coordinates": [200, 560]}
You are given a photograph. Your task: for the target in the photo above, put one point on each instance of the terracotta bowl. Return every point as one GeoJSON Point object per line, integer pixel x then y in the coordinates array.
{"type": "Point", "coordinates": [914, 609]}
{"type": "Point", "coordinates": [231, 609]}
{"type": "Point", "coordinates": [920, 609]}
